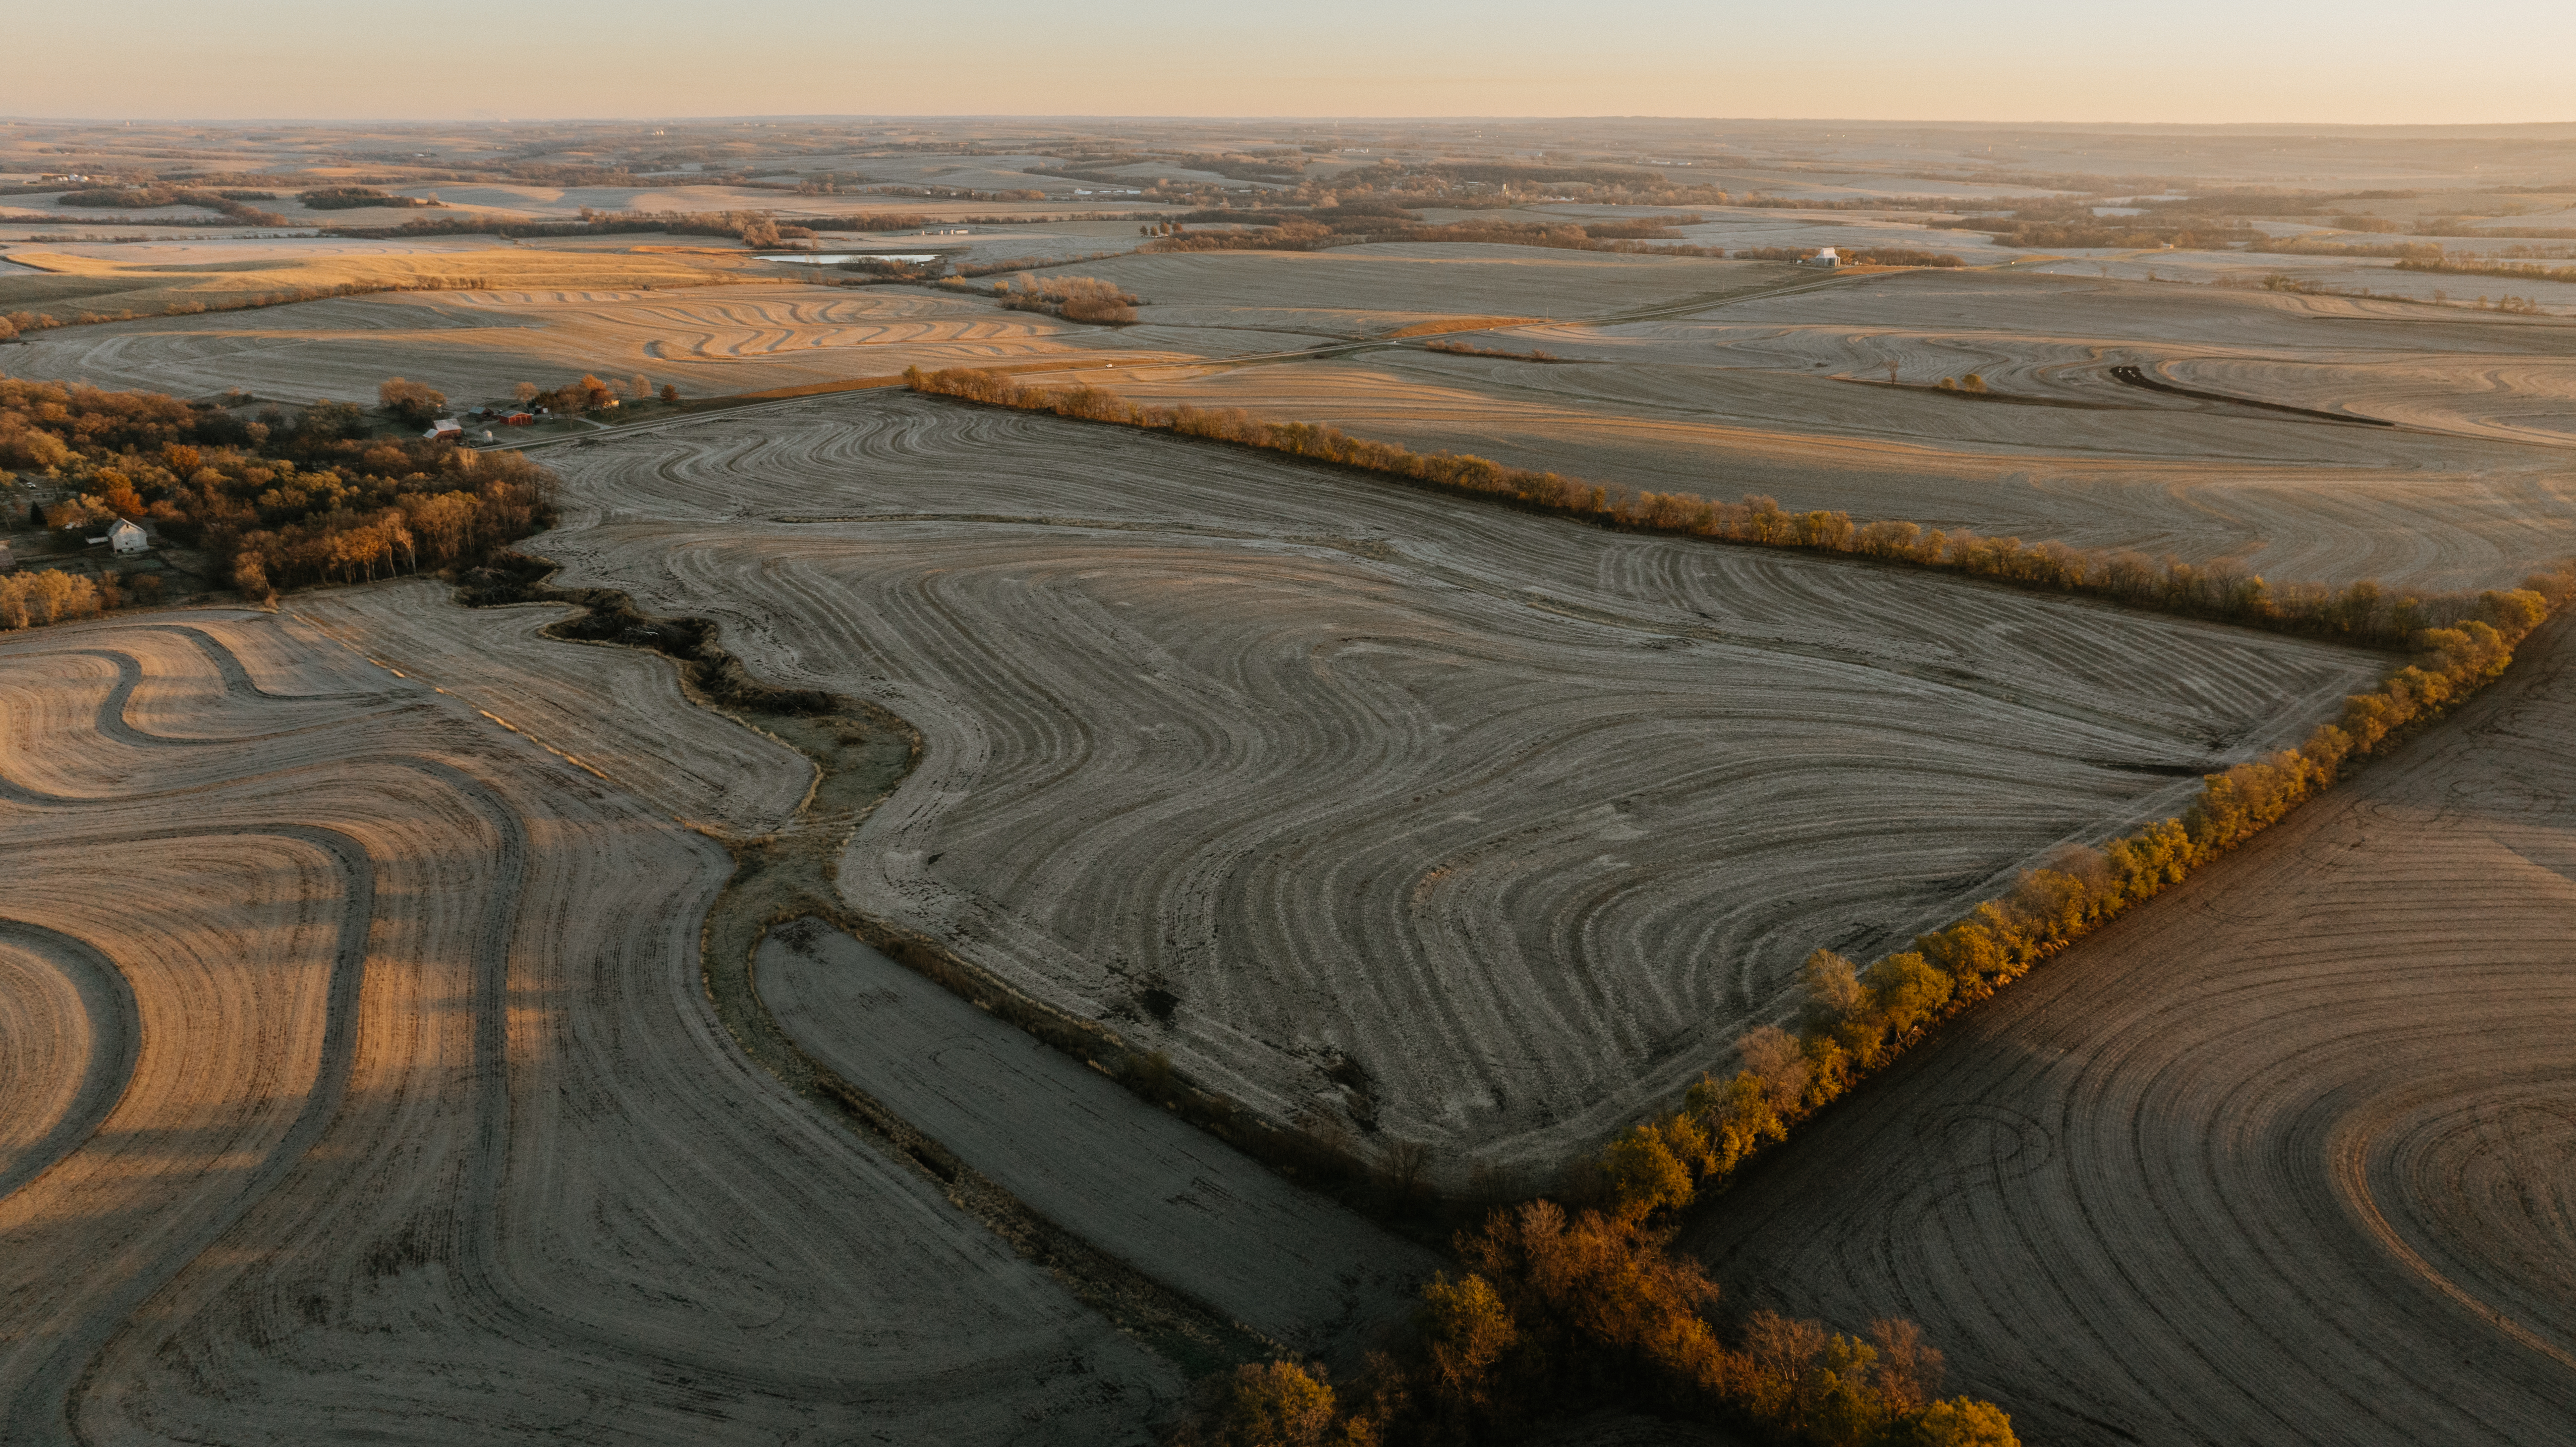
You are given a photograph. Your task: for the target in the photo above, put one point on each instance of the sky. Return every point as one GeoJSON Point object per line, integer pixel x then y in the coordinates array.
{"type": "Point", "coordinates": [2192, 61]}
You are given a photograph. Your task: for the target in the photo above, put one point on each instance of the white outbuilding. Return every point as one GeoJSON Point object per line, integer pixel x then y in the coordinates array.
{"type": "Point", "coordinates": [1826, 257]}
{"type": "Point", "coordinates": [124, 537]}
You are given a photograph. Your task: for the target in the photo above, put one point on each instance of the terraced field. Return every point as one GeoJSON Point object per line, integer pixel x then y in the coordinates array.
{"type": "Point", "coordinates": [709, 341]}
{"type": "Point", "coordinates": [614, 712]}
{"type": "Point", "coordinates": [359, 1085]}
{"type": "Point", "coordinates": [2284, 1157]}
{"type": "Point", "coordinates": [1476, 828]}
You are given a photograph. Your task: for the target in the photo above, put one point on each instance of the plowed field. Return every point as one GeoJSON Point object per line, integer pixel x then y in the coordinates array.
{"type": "Point", "coordinates": [1518, 822]}
{"type": "Point", "coordinates": [360, 1086]}
{"type": "Point", "coordinates": [2283, 1157]}
{"type": "Point", "coordinates": [709, 341]}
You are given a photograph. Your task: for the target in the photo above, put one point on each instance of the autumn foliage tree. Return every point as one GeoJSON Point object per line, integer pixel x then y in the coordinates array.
{"type": "Point", "coordinates": [1558, 1312]}
{"type": "Point", "coordinates": [1075, 298]}
{"type": "Point", "coordinates": [416, 404]}
{"type": "Point", "coordinates": [276, 501]}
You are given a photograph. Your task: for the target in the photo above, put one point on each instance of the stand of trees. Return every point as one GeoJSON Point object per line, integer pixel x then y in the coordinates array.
{"type": "Point", "coordinates": [416, 404]}
{"type": "Point", "coordinates": [272, 502]}
{"type": "Point", "coordinates": [1469, 349]}
{"type": "Point", "coordinates": [1075, 298]}
{"type": "Point", "coordinates": [2461, 266]}
{"type": "Point", "coordinates": [1555, 1313]}
{"type": "Point", "coordinates": [34, 599]}
{"type": "Point", "coordinates": [139, 198]}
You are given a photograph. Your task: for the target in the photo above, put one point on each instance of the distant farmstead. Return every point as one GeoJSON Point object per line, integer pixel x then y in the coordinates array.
{"type": "Point", "coordinates": [1825, 258]}
{"type": "Point", "coordinates": [124, 537]}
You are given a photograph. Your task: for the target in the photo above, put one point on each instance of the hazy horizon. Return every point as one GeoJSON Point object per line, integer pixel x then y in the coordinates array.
{"type": "Point", "coordinates": [2199, 63]}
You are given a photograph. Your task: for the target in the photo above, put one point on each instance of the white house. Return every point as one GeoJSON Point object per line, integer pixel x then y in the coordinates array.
{"type": "Point", "coordinates": [124, 537]}
{"type": "Point", "coordinates": [1826, 257]}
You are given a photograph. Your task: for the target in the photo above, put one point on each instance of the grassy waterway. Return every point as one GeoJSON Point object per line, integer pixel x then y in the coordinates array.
{"type": "Point", "coordinates": [860, 753]}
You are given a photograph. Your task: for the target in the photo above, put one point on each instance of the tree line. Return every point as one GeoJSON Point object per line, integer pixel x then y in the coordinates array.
{"type": "Point", "coordinates": [232, 204]}
{"type": "Point", "coordinates": [2362, 612]}
{"type": "Point", "coordinates": [755, 228]}
{"type": "Point", "coordinates": [36, 597]}
{"type": "Point", "coordinates": [1856, 1019]}
{"type": "Point", "coordinates": [352, 198]}
{"type": "Point", "coordinates": [2443, 265]}
{"type": "Point", "coordinates": [1556, 1312]}
{"type": "Point", "coordinates": [273, 501]}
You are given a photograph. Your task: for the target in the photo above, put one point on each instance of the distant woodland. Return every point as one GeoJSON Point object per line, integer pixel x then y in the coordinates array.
{"type": "Point", "coordinates": [233, 205]}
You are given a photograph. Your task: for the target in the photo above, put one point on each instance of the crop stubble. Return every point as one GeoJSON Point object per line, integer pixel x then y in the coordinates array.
{"type": "Point", "coordinates": [1766, 394]}
{"type": "Point", "coordinates": [2283, 1158]}
{"type": "Point", "coordinates": [1518, 820]}
{"type": "Point", "coordinates": [429, 1133]}
{"type": "Point", "coordinates": [707, 340]}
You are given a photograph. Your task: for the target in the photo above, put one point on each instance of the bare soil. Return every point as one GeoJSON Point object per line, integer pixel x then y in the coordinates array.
{"type": "Point", "coordinates": [2282, 1156]}
{"type": "Point", "coordinates": [430, 1132]}
{"type": "Point", "coordinates": [1464, 827]}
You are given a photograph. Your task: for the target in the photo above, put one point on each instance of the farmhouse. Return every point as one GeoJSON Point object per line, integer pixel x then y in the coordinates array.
{"type": "Point", "coordinates": [124, 537]}
{"type": "Point", "coordinates": [445, 429]}
{"type": "Point", "coordinates": [1825, 258]}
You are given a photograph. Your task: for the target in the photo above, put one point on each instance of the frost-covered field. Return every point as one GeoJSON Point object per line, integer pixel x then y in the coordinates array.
{"type": "Point", "coordinates": [358, 1084]}
{"type": "Point", "coordinates": [1526, 819]}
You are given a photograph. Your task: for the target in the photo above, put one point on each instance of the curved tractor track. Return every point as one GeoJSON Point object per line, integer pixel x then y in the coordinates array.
{"type": "Point", "coordinates": [357, 1083]}
{"type": "Point", "coordinates": [2286, 1157]}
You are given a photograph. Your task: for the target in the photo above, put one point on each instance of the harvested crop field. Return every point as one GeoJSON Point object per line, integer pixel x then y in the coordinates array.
{"type": "Point", "coordinates": [1468, 827]}
{"type": "Point", "coordinates": [1783, 394]}
{"type": "Point", "coordinates": [708, 341]}
{"type": "Point", "coordinates": [377, 1098]}
{"type": "Point", "coordinates": [2282, 1157]}
{"type": "Point", "coordinates": [71, 286]}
